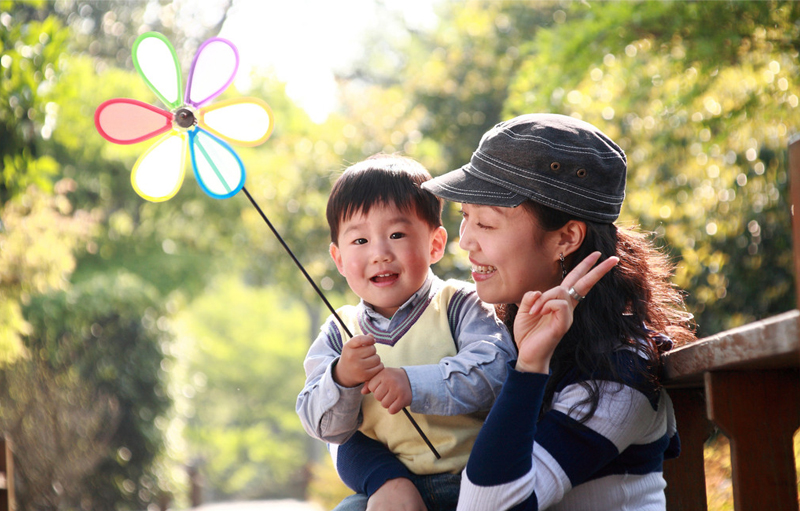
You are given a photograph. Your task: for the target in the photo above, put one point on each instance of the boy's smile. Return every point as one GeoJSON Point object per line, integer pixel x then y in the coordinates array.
{"type": "Point", "coordinates": [385, 279]}
{"type": "Point", "coordinates": [385, 255]}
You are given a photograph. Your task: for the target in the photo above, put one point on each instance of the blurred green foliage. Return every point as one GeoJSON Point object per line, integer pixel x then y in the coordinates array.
{"type": "Point", "coordinates": [30, 55]}
{"type": "Point", "coordinates": [704, 110]}
{"type": "Point", "coordinates": [101, 339]}
{"type": "Point", "coordinates": [150, 337]}
{"type": "Point", "coordinates": [241, 348]}
{"type": "Point", "coordinates": [700, 95]}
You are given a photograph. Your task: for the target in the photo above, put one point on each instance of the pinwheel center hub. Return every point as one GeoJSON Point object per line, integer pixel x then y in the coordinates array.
{"type": "Point", "coordinates": [185, 118]}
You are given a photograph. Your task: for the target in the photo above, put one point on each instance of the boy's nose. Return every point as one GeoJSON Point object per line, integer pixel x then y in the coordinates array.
{"type": "Point", "coordinates": [381, 253]}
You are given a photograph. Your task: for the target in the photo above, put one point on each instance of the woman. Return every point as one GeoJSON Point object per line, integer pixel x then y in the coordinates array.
{"type": "Point", "coordinates": [581, 422]}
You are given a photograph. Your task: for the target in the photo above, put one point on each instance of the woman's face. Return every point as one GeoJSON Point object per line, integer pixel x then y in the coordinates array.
{"type": "Point", "coordinates": [509, 252]}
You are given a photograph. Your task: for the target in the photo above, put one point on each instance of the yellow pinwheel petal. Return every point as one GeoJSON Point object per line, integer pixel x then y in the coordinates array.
{"type": "Point", "coordinates": [158, 173]}
{"type": "Point", "coordinates": [241, 121]}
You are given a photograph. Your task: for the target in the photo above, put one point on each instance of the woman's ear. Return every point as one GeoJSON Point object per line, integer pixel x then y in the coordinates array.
{"type": "Point", "coordinates": [438, 244]}
{"type": "Point", "coordinates": [336, 256]}
{"type": "Point", "coordinates": [571, 236]}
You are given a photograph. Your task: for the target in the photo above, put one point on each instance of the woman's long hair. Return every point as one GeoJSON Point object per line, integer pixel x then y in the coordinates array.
{"type": "Point", "coordinates": [632, 307]}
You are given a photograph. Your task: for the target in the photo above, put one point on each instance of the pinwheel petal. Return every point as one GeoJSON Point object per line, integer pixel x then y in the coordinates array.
{"type": "Point", "coordinates": [242, 121]}
{"type": "Point", "coordinates": [219, 170]}
{"type": "Point", "coordinates": [128, 121]}
{"type": "Point", "coordinates": [158, 173]}
{"type": "Point", "coordinates": [213, 69]}
{"type": "Point", "coordinates": [156, 61]}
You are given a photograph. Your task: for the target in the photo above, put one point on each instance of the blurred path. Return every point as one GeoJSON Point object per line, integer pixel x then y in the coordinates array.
{"type": "Point", "coordinates": [260, 505]}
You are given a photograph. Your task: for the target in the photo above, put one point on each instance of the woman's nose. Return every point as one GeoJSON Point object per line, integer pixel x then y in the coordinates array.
{"type": "Point", "coordinates": [464, 237]}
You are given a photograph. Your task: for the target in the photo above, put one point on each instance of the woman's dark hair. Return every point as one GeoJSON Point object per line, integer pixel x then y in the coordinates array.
{"type": "Point", "coordinates": [382, 179]}
{"type": "Point", "coordinates": [631, 308]}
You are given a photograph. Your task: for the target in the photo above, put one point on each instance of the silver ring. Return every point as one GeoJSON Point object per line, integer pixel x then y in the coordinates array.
{"type": "Point", "coordinates": [574, 295]}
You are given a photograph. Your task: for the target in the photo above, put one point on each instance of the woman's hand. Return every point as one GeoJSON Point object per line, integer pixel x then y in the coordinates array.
{"type": "Point", "coordinates": [396, 495]}
{"type": "Point", "coordinates": [544, 318]}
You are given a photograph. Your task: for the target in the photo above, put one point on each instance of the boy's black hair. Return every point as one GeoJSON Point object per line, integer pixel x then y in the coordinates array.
{"type": "Point", "coordinates": [382, 179]}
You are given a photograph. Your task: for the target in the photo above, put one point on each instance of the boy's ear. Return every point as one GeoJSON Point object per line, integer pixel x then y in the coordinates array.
{"type": "Point", "coordinates": [438, 244]}
{"type": "Point", "coordinates": [571, 236]}
{"type": "Point", "coordinates": [336, 256]}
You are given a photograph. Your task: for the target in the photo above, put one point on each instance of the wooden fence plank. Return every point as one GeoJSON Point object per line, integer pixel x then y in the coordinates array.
{"type": "Point", "coordinates": [759, 411]}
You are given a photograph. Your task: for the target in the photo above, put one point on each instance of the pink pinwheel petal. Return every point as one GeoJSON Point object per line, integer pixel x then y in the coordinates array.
{"type": "Point", "coordinates": [213, 69]}
{"type": "Point", "coordinates": [128, 121]}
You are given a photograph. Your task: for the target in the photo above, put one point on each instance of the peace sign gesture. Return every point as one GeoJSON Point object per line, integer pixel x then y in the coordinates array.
{"type": "Point", "coordinates": [544, 318]}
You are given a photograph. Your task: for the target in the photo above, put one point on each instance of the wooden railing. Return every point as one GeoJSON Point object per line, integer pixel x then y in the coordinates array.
{"type": "Point", "coordinates": [746, 381]}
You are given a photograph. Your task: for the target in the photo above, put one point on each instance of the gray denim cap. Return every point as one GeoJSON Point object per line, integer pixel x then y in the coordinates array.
{"type": "Point", "coordinates": [556, 160]}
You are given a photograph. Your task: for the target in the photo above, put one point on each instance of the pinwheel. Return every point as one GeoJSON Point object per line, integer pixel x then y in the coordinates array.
{"type": "Point", "coordinates": [205, 132]}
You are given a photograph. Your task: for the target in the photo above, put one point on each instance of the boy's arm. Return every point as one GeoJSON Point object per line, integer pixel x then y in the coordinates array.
{"type": "Point", "coordinates": [471, 380]}
{"type": "Point", "coordinates": [328, 411]}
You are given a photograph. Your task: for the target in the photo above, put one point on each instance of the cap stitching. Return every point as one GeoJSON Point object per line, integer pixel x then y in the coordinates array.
{"type": "Point", "coordinates": [589, 194]}
{"type": "Point", "coordinates": [463, 194]}
{"type": "Point", "coordinates": [568, 148]}
{"type": "Point", "coordinates": [565, 205]}
{"type": "Point", "coordinates": [472, 193]}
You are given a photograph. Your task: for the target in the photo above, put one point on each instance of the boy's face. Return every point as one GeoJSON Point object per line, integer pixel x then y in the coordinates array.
{"type": "Point", "coordinates": [385, 255]}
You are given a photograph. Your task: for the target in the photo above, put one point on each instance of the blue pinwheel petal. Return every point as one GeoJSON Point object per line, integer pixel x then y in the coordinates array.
{"type": "Point", "coordinates": [217, 167]}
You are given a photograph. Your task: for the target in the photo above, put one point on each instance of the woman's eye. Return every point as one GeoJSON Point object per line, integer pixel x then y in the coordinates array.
{"type": "Point", "coordinates": [397, 236]}
{"type": "Point", "coordinates": [482, 226]}
{"type": "Point", "coordinates": [462, 213]}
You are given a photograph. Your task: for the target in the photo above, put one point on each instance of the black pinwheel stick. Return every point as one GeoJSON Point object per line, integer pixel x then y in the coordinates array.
{"type": "Point", "coordinates": [330, 307]}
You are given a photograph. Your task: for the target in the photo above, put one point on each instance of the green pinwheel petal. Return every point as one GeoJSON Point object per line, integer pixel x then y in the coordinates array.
{"type": "Point", "coordinates": [157, 63]}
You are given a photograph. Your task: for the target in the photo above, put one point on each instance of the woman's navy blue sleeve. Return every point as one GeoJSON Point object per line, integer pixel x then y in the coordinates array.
{"type": "Point", "coordinates": [502, 451]}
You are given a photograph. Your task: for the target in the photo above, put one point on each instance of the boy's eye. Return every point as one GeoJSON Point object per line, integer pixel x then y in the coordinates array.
{"type": "Point", "coordinates": [397, 236]}
{"type": "Point", "coordinates": [359, 241]}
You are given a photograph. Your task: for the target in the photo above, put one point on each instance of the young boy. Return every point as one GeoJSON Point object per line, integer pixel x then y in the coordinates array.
{"type": "Point", "coordinates": [418, 342]}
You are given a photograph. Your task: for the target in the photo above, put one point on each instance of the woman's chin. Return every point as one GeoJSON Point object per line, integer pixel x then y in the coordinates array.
{"type": "Point", "coordinates": [490, 294]}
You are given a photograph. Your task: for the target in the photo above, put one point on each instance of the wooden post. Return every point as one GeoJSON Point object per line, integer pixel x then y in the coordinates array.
{"type": "Point", "coordinates": [7, 500]}
{"type": "Point", "coordinates": [759, 411]}
{"type": "Point", "coordinates": [794, 193]}
{"type": "Point", "coordinates": [685, 475]}
{"type": "Point", "coordinates": [195, 486]}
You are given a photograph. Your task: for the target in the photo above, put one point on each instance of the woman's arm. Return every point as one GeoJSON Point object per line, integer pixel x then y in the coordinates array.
{"type": "Point", "coordinates": [496, 474]}
{"type": "Point", "coordinates": [518, 463]}
{"type": "Point", "coordinates": [505, 470]}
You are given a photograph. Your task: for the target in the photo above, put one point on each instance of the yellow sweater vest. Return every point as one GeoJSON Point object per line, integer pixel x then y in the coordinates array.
{"type": "Point", "coordinates": [427, 341]}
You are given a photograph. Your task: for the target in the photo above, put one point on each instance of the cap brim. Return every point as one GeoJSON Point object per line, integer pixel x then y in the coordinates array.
{"type": "Point", "coordinates": [461, 186]}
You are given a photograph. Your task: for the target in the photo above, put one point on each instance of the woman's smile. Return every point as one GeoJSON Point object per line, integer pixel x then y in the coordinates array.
{"type": "Point", "coordinates": [482, 272]}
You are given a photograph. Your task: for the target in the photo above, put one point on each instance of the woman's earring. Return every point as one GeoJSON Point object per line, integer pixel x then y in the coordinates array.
{"type": "Point", "coordinates": [563, 268]}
